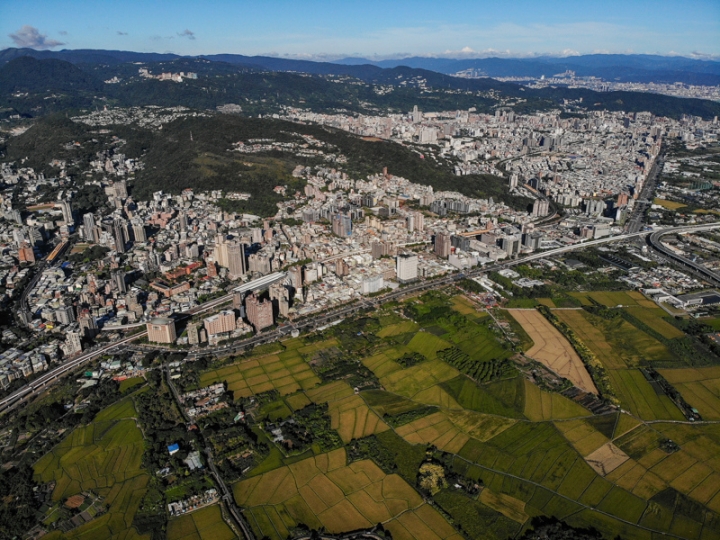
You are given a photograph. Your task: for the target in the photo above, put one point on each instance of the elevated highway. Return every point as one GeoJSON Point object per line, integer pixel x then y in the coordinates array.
{"type": "Point", "coordinates": [656, 243]}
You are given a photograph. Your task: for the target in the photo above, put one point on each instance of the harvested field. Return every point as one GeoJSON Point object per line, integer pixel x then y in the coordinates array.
{"type": "Point", "coordinates": [553, 350]}
{"type": "Point", "coordinates": [325, 491]}
{"type": "Point", "coordinates": [606, 459]}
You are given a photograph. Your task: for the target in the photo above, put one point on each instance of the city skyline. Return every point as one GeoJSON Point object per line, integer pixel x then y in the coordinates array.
{"type": "Point", "coordinates": [322, 30]}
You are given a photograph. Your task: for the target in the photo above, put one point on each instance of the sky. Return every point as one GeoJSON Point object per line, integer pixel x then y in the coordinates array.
{"type": "Point", "coordinates": [318, 29]}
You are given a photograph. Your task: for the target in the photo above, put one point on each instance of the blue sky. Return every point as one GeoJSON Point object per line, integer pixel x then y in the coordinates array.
{"type": "Point", "coordinates": [319, 29]}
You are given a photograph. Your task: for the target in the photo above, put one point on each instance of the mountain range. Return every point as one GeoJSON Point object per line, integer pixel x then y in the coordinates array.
{"type": "Point", "coordinates": [34, 83]}
{"type": "Point", "coordinates": [615, 67]}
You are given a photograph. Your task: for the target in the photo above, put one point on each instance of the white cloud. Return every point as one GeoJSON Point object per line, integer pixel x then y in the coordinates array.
{"type": "Point", "coordinates": [187, 33]}
{"type": "Point", "coordinates": [30, 37]}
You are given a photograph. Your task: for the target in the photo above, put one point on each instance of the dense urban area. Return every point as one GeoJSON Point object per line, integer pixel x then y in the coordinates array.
{"type": "Point", "coordinates": [451, 323]}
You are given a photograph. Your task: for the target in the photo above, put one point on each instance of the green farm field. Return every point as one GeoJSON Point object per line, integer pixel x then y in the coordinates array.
{"type": "Point", "coordinates": [700, 387]}
{"type": "Point", "coordinates": [617, 343]}
{"type": "Point", "coordinates": [105, 457]}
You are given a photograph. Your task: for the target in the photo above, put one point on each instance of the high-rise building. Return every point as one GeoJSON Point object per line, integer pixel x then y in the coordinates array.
{"type": "Point", "coordinates": [220, 254]}
{"type": "Point", "coordinates": [416, 115]}
{"type": "Point", "coordinates": [541, 208]}
{"type": "Point", "coordinates": [236, 260]}
{"type": "Point", "coordinates": [192, 334]}
{"type": "Point", "coordinates": [406, 267]}
{"type": "Point", "coordinates": [259, 313]}
{"type": "Point", "coordinates": [342, 225]}
{"type": "Point", "coordinates": [260, 262]}
{"type": "Point", "coordinates": [511, 244]}
{"type": "Point", "coordinates": [237, 301]}
{"type": "Point", "coordinates": [119, 234]}
{"type": "Point", "coordinates": [73, 342]}
{"type": "Point", "coordinates": [88, 326]}
{"type": "Point", "coordinates": [89, 228]}
{"type": "Point", "coordinates": [67, 213]}
{"type": "Point", "coordinates": [442, 244]}
{"type": "Point", "coordinates": [419, 222]}
{"type": "Point", "coordinates": [138, 229]}
{"type": "Point", "coordinates": [379, 249]}
{"type": "Point", "coordinates": [372, 284]}
{"type": "Point", "coordinates": [118, 278]}
{"type": "Point", "coordinates": [410, 222]}
{"type": "Point", "coordinates": [280, 297]}
{"type": "Point", "coordinates": [220, 323]}
{"type": "Point", "coordinates": [65, 314]}
{"type": "Point", "coordinates": [161, 330]}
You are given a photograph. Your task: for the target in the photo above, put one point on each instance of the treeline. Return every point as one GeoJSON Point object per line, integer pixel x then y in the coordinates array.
{"type": "Point", "coordinates": [476, 369]}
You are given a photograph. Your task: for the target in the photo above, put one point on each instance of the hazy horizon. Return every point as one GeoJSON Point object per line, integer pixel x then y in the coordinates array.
{"type": "Point", "coordinates": [317, 30]}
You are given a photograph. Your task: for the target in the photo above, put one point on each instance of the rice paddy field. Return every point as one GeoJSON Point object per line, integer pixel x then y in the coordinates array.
{"type": "Point", "coordinates": [326, 491]}
{"type": "Point", "coordinates": [534, 452]}
{"type": "Point", "coordinates": [615, 298]}
{"type": "Point", "coordinates": [104, 456]}
{"type": "Point", "coordinates": [286, 372]}
{"type": "Point", "coordinates": [700, 387]}
{"type": "Point", "coordinates": [617, 343]}
{"type": "Point", "coordinates": [204, 524]}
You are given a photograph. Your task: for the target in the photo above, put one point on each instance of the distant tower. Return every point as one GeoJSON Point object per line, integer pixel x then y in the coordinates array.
{"type": "Point", "coordinates": [416, 115]}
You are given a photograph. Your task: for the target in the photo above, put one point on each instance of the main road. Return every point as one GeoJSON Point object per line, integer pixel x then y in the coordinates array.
{"type": "Point", "coordinates": [40, 384]}
{"type": "Point", "coordinates": [635, 220]}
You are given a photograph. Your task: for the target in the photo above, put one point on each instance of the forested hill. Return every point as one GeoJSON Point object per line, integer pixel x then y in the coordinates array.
{"type": "Point", "coordinates": [33, 87]}
{"type": "Point", "coordinates": [175, 160]}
